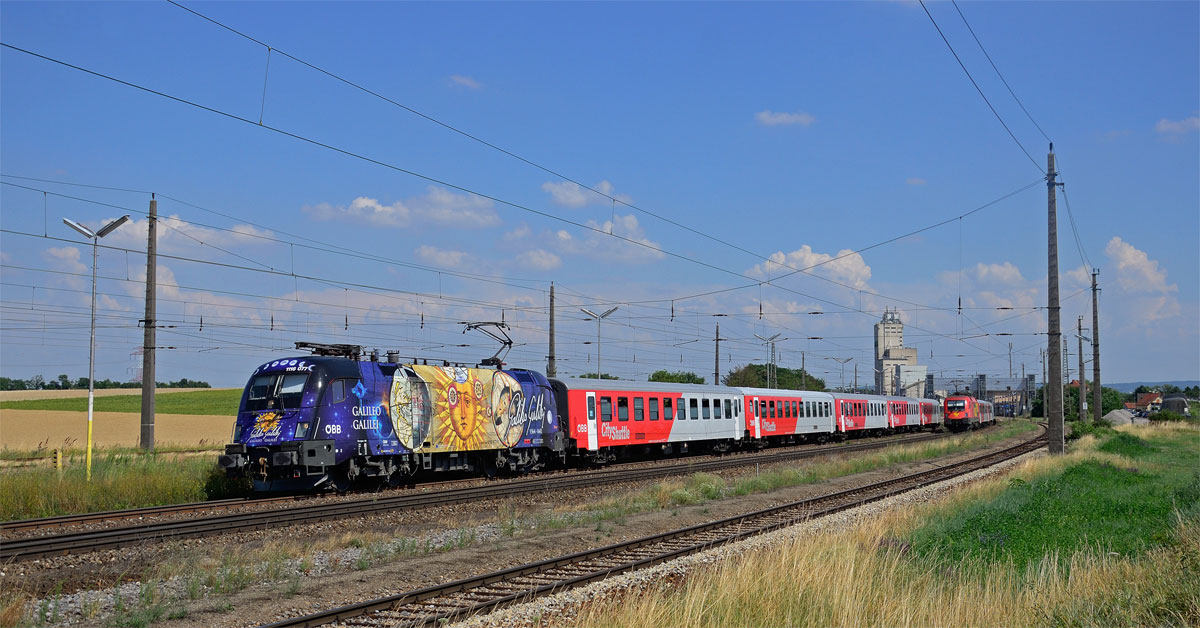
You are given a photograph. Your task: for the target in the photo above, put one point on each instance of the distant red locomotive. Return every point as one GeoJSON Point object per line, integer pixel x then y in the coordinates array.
{"type": "Point", "coordinates": [964, 412]}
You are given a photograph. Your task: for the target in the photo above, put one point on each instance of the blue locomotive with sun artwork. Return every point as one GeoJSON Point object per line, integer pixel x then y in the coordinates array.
{"type": "Point", "coordinates": [328, 421]}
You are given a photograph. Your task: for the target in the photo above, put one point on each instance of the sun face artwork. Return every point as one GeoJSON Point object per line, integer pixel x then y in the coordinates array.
{"type": "Point", "coordinates": [456, 408]}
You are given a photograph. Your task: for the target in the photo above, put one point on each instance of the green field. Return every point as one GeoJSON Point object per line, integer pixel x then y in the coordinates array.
{"type": "Point", "coordinates": [1092, 504]}
{"type": "Point", "coordinates": [218, 402]}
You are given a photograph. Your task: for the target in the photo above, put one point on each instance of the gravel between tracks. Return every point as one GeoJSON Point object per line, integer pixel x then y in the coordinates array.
{"type": "Point", "coordinates": [333, 578]}
{"type": "Point", "coordinates": [545, 611]}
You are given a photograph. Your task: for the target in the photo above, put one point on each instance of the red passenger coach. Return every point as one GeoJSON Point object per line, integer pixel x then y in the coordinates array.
{"type": "Point", "coordinates": [788, 415]}
{"type": "Point", "coordinates": [609, 418]}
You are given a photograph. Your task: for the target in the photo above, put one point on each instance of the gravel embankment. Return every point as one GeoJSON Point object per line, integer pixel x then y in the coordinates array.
{"type": "Point", "coordinates": [544, 611]}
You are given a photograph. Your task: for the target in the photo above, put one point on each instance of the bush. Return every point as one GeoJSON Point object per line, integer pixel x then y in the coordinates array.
{"type": "Point", "coordinates": [1079, 429]}
{"type": "Point", "coordinates": [1166, 415]}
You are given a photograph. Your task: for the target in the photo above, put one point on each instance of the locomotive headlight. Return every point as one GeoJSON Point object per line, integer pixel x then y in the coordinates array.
{"type": "Point", "coordinates": [302, 429]}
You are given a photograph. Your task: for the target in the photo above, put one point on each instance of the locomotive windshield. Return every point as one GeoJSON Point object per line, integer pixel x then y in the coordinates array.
{"type": "Point", "coordinates": [276, 392]}
{"type": "Point", "coordinates": [955, 405]}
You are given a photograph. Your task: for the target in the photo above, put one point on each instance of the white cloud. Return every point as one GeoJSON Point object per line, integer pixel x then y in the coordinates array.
{"type": "Point", "coordinates": [540, 259]}
{"type": "Point", "coordinates": [774, 118]}
{"type": "Point", "coordinates": [175, 234]}
{"type": "Point", "coordinates": [438, 205]}
{"type": "Point", "coordinates": [915, 181]}
{"type": "Point", "coordinates": [442, 257]}
{"type": "Point", "coordinates": [65, 258]}
{"type": "Point", "coordinates": [851, 269]}
{"type": "Point", "coordinates": [465, 81]}
{"type": "Point", "coordinates": [1178, 127]}
{"type": "Point", "coordinates": [569, 194]}
{"type": "Point", "coordinates": [1136, 272]}
{"type": "Point", "coordinates": [1005, 274]}
{"type": "Point", "coordinates": [632, 246]}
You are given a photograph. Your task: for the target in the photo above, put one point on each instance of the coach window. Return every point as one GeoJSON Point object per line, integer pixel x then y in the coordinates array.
{"type": "Point", "coordinates": [717, 409]}
{"type": "Point", "coordinates": [668, 410]}
{"type": "Point", "coordinates": [681, 410]}
{"type": "Point", "coordinates": [639, 409]}
{"type": "Point", "coordinates": [728, 409]}
{"type": "Point", "coordinates": [756, 408]}
{"type": "Point", "coordinates": [622, 408]}
{"type": "Point", "coordinates": [606, 409]}
{"type": "Point", "coordinates": [695, 406]}
{"type": "Point", "coordinates": [654, 408]}
{"type": "Point", "coordinates": [785, 409]}
{"type": "Point", "coordinates": [797, 408]}
{"type": "Point", "coordinates": [707, 412]}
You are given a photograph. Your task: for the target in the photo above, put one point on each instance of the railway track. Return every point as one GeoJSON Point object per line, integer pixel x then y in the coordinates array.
{"type": "Point", "coordinates": [437, 605]}
{"type": "Point", "coordinates": [28, 548]}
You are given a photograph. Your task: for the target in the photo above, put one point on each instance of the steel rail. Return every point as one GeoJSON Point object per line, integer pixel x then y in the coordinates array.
{"type": "Point", "coordinates": [436, 605]}
{"type": "Point", "coordinates": [60, 521]}
{"type": "Point", "coordinates": [28, 548]}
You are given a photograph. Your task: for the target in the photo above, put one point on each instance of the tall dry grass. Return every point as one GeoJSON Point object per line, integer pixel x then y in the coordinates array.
{"type": "Point", "coordinates": [866, 575]}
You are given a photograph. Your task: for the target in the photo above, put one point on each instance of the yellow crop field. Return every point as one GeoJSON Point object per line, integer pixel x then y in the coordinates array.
{"type": "Point", "coordinates": [24, 430]}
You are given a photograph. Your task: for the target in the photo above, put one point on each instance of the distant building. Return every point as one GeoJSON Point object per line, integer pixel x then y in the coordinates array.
{"type": "Point", "coordinates": [891, 356]}
{"type": "Point", "coordinates": [1150, 402]}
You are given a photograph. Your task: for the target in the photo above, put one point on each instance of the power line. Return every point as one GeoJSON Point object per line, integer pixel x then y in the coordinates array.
{"type": "Point", "coordinates": [989, 58]}
{"type": "Point", "coordinates": [978, 89]}
{"type": "Point", "coordinates": [613, 198]}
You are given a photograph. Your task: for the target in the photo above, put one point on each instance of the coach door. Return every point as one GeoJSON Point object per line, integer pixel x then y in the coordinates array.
{"type": "Point", "coordinates": [757, 419]}
{"type": "Point", "coordinates": [593, 432]}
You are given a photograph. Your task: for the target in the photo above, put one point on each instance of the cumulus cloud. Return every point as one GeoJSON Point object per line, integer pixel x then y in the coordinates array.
{"type": "Point", "coordinates": [775, 118]}
{"type": "Point", "coordinates": [540, 259]}
{"type": "Point", "coordinates": [851, 269]}
{"type": "Point", "coordinates": [570, 194]}
{"type": "Point", "coordinates": [442, 257]}
{"type": "Point", "coordinates": [65, 258]}
{"type": "Point", "coordinates": [915, 181]}
{"type": "Point", "coordinates": [175, 234]}
{"type": "Point", "coordinates": [465, 81]}
{"type": "Point", "coordinates": [438, 206]}
{"type": "Point", "coordinates": [631, 246]}
{"type": "Point", "coordinates": [1005, 274]}
{"type": "Point", "coordinates": [1178, 127]}
{"type": "Point", "coordinates": [1138, 274]}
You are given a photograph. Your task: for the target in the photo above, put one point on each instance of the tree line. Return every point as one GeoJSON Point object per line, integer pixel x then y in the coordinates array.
{"type": "Point", "coordinates": [63, 382]}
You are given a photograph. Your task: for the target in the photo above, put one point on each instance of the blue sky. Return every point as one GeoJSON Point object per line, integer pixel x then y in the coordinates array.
{"type": "Point", "coordinates": [793, 131]}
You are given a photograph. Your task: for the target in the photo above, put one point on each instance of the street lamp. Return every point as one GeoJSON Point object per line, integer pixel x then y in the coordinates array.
{"type": "Point", "coordinates": [842, 361]}
{"type": "Point", "coordinates": [95, 238]}
{"type": "Point", "coordinates": [598, 317]}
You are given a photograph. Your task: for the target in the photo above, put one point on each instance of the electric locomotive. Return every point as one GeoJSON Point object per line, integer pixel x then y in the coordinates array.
{"type": "Point", "coordinates": [964, 412]}
{"type": "Point", "coordinates": [327, 420]}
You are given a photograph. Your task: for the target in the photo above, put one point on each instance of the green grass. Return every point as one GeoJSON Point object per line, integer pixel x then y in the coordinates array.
{"type": "Point", "coordinates": [217, 402]}
{"type": "Point", "coordinates": [118, 481]}
{"type": "Point", "coordinates": [1121, 508]}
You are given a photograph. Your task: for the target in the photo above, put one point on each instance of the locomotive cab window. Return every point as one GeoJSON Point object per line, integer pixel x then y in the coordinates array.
{"type": "Point", "coordinates": [276, 392]}
{"type": "Point", "coordinates": [639, 409]}
{"type": "Point", "coordinates": [606, 409]}
{"type": "Point", "coordinates": [622, 408]}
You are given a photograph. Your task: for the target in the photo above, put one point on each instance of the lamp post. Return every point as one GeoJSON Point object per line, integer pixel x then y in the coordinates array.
{"type": "Point", "coordinates": [94, 236]}
{"type": "Point", "coordinates": [598, 317]}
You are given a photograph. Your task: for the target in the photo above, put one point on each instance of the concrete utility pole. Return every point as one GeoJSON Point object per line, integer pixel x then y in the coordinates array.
{"type": "Point", "coordinates": [1082, 380]}
{"type": "Point", "coordinates": [1010, 360]}
{"type": "Point", "coordinates": [856, 377]}
{"type": "Point", "coordinates": [1097, 394]}
{"type": "Point", "coordinates": [146, 440]}
{"type": "Point", "coordinates": [717, 357]}
{"type": "Point", "coordinates": [1054, 392]}
{"type": "Point", "coordinates": [551, 366]}
{"type": "Point", "coordinates": [803, 373]}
